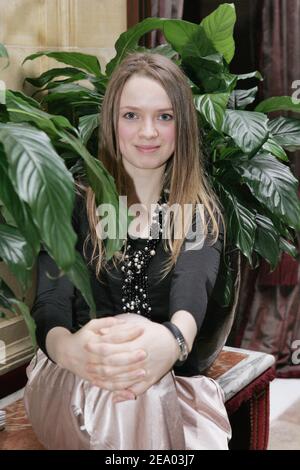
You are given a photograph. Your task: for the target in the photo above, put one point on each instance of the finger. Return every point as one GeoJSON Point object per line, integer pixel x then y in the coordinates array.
{"type": "Point", "coordinates": [114, 355]}
{"type": "Point", "coordinates": [97, 323]}
{"type": "Point", "coordinates": [120, 398]}
{"type": "Point", "coordinates": [122, 336]}
{"type": "Point", "coordinates": [115, 328]}
{"type": "Point", "coordinates": [129, 376]}
{"type": "Point", "coordinates": [115, 373]}
{"type": "Point", "coordinates": [102, 344]}
{"type": "Point", "coordinates": [131, 393]}
{"type": "Point", "coordinates": [129, 359]}
{"type": "Point", "coordinates": [122, 395]}
{"type": "Point", "coordinates": [112, 371]}
{"type": "Point", "coordinates": [111, 386]}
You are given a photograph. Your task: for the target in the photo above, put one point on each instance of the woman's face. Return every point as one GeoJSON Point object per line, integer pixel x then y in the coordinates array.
{"type": "Point", "coordinates": [146, 126]}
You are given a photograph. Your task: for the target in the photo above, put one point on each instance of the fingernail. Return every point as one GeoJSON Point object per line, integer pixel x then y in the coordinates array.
{"type": "Point", "coordinates": [141, 373]}
{"type": "Point", "coordinates": [142, 354]}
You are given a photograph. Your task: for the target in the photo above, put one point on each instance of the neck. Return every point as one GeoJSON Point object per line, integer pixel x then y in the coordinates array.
{"type": "Point", "coordinates": [147, 184]}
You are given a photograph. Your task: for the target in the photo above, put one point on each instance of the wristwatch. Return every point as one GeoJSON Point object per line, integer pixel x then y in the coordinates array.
{"type": "Point", "coordinates": [184, 352]}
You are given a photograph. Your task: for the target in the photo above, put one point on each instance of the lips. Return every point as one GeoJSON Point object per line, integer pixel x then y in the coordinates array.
{"type": "Point", "coordinates": [147, 148]}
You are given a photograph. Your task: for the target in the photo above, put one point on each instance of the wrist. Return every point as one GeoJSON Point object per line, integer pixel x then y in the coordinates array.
{"type": "Point", "coordinates": [182, 348]}
{"type": "Point", "coordinates": [187, 325]}
{"type": "Point", "coordinates": [57, 345]}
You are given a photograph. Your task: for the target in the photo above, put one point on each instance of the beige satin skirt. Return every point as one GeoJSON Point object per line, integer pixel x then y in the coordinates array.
{"type": "Point", "coordinates": [179, 413]}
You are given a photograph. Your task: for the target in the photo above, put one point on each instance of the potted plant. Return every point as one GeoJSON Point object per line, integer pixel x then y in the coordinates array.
{"type": "Point", "coordinates": [48, 142]}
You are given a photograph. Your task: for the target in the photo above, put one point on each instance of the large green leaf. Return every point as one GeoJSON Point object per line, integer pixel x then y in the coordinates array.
{"type": "Point", "coordinates": [100, 84]}
{"type": "Point", "coordinates": [17, 254]}
{"type": "Point", "coordinates": [267, 240]}
{"type": "Point", "coordinates": [288, 248]}
{"type": "Point", "coordinates": [129, 40]}
{"type": "Point", "coordinates": [27, 99]}
{"type": "Point", "coordinates": [82, 61]}
{"type": "Point", "coordinates": [46, 77]}
{"type": "Point", "coordinates": [218, 27]}
{"type": "Point", "coordinates": [239, 99]}
{"type": "Point", "coordinates": [22, 109]}
{"type": "Point", "coordinates": [87, 124]}
{"type": "Point", "coordinates": [73, 94]}
{"type": "Point", "coordinates": [273, 184]}
{"type": "Point", "coordinates": [198, 45]}
{"type": "Point", "coordinates": [212, 106]}
{"type": "Point", "coordinates": [106, 181]}
{"type": "Point", "coordinates": [41, 180]}
{"type": "Point", "coordinates": [248, 129]}
{"type": "Point", "coordinates": [179, 33]}
{"type": "Point", "coordinates": [163, 49]}
{"type": "Point", "coordinates": [17, 208]}
{"type": "Point", "coordinates": [280, 224]}
{"type": "Point", "coordinates": [246, 76]}
{"type": "Point", "coordinates": [29, 321]}
{"type": "Point", "coordinates": [286, 132]}
{"type": "Point", "coordinates": [73, 101]}
{"type": "Point", "coordinates": [271, 146]}
{"type": "Point", "coordinates": [212, 63]}
{"type": "Point", "coordinates": [209, 72]}
{"type": "Point", "coordinates": [278, 103]}
{"type": "Point", "coordinates": [6, 296]}
{"type": "Point", "coordinates": [241, 223]}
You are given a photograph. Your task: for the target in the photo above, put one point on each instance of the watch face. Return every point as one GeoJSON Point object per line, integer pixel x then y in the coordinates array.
{"type": "Point", "coordinates": [186, 355]}
{"type": "Point", "coordinates": [184, 352]}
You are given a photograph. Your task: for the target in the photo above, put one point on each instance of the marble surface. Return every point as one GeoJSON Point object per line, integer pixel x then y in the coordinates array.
{"type": "Point", "coordinates": [245, 371]}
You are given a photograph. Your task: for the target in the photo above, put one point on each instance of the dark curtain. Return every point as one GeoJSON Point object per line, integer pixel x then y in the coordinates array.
{"type": "Point", "coordinates": [164, 9]}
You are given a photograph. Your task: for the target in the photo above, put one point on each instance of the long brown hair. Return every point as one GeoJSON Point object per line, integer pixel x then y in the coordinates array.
{"type": "Point", "coordinates": [184, 176]}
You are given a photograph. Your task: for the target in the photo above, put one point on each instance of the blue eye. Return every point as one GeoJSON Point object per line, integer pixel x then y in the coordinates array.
{"type": "Point", "coordinates": [169, 117]}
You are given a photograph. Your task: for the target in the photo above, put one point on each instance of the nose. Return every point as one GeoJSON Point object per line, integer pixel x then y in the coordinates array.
{"type": "Point", "coordinates": [148, 129]}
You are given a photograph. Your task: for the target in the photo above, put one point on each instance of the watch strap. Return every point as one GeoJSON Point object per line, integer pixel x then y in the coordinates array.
{"type": "Point", "coordinates": [180, 340]}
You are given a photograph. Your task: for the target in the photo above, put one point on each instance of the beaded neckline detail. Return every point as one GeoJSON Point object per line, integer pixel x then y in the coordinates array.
{"type": "Point", "coordinates": [135, 296]}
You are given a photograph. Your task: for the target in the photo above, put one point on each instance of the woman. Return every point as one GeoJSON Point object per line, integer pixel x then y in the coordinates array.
{"type": "Point", "coordinates": [126, 380]}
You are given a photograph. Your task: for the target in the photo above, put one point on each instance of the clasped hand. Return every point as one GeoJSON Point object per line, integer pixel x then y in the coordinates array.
{"type": "Point", "coordinates": [127, 358]}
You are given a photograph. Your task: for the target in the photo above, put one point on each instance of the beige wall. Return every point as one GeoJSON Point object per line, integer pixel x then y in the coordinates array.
{"type": "Point", "coordinates": [26, 27]}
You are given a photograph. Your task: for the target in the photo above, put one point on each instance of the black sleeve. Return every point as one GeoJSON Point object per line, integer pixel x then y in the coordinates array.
{"type": "Point", "coordinates": [194, 277]}
{"type": "Point", "coordinates": [53, 305]}
{"type": "Point", "coordinates": [53, 302]}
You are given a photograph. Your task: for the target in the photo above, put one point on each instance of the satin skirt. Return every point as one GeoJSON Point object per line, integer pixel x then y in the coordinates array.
{"type": "Point", "coordinates": [180, 413]}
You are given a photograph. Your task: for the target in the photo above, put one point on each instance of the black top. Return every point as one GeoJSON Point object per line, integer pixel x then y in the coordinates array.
{"type": "Point", "coordinates": [188, 286]}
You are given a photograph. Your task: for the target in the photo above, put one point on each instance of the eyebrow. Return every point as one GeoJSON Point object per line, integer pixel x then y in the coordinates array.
{"type": "Point", "coordinates": [139, 109]}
